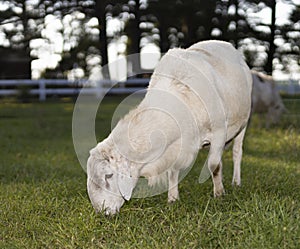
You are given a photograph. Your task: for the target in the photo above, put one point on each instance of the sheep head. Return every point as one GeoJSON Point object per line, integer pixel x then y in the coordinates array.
{"type": "Point", "coordinates": [109, 179]}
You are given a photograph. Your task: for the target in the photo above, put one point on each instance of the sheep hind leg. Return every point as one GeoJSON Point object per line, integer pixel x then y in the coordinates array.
{"type": "Point", "coordinates": [173, 193]}
{"type": "Point", "coordinates": [237, 152]}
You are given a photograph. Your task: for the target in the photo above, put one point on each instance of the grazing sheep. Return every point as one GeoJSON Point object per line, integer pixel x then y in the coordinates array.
{"type": "Point", "coordinates": [197, 97]}
{"type": "Point", "coordinates": [266, 98]}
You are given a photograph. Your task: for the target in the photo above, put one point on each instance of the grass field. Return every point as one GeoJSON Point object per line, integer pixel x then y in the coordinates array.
{"type": "Point", "coordinates": [44, 204]}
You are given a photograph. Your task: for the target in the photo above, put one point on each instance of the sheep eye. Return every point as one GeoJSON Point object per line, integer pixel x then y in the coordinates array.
{"type": "Point", "coordinates": [108, 176]}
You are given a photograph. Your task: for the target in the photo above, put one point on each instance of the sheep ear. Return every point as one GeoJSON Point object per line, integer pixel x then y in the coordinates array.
{"type": "Point", "coordinates": [126, 185]}
{"type": "Point", "coordinates": [105, 155]}
{"type": "Point", "coordinates": [100, 153]}
{"type": "Point", "coordinates": [126, 181]}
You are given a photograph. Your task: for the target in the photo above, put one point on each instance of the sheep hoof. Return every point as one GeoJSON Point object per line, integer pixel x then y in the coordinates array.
{"type": "Point", "coordinates": [172, 199]}
{"type": "Point", "coordinates": [219, 192]}
{"type": "Point", "coordinates": [236, 184]}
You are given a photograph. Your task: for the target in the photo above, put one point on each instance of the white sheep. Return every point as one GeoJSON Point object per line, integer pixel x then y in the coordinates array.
{"type": "Point", "coordinates": [266, 98]}
{"type": "Point", "coordinates": [197, 97]}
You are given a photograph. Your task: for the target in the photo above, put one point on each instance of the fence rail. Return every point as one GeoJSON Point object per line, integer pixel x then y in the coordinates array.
{"type": "Point", "coordinates": [47, 87]}
{"type": "Point", "coordinates": [291, 87]}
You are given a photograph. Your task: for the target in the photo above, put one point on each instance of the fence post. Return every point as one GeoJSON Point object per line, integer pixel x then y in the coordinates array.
{"type": "Point", "coordinates": [42, 90]}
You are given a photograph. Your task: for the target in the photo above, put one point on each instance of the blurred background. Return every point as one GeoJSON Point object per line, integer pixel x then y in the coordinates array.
{"type": "Point", "coordinates": [74, 39]}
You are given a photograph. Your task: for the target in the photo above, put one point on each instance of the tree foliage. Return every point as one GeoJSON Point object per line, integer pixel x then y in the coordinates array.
{"type": "Point", "coordinates": [166, 23]}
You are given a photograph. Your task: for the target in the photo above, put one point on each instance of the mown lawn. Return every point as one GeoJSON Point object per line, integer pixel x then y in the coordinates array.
{"type": "Point", "coordinates": [44, 204]}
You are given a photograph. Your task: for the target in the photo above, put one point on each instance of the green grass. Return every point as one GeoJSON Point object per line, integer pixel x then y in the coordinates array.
{"type": "Point", "coordinates": [43, 200]}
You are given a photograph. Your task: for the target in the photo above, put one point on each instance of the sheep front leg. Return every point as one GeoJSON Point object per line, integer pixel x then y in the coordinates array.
{"type": "Point", "coordinates": [217, 180]}
{"type": "Point", "coordinates": [173, 193]}
{"type": "Point", "coordinates": [237, 152]}
{"type": "Point", "coordinates": [215, 167]}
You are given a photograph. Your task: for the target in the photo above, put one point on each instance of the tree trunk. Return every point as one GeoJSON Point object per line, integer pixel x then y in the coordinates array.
{"type": "Point", "coordinates": [136, 62]}
{"type": "Point", "coordinates": [101, 16]}
{"type": "Point", "coordinates": [189, 30]}
{"type": "Point", "coordinates": [163, 38]}
{"type": "Point", "coordinates": [269, 64]}
{"type": "Point", "coordinates": [26, 34]}
{"type": "Point", "coordinates": [236, 20]}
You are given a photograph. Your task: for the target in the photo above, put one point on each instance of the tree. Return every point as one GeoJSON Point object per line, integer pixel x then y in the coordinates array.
{"type": "Point", "coordinates": [100, 13]}
{"type": "Point", "coordinates": [185, 23]}
{"type": "Point", "coordinates": [28, 17]}
{"type": "Point", "coordinates": [268, 34]}
{"type": "Point", "coordinates": [81, 45]}
{"type": "Point", "coordinates": [163, 21]}
{"type": "Point", "coordinates": [190, 21]}
{"type": "Point", "coordinates": [272, 47]}
{"type": "Point", "coordinates": [24, 21]}
{"type": "Point", "coordinates": [134, 33]}
{"type": "Point", "coordinates": [20, 23]}
{"type": "Point", "coordinates": [289, 54]}
{"type": "Point", "coordinates": [230, 23]}
{"type": "Point", "coordinates": [196, 20]}
{"type": "Point", "coordinates": [102, 9]}
{"type": "Point", "coordinates": [294, 33]}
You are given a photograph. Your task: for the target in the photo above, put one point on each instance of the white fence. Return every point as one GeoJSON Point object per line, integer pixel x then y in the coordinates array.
{"type": "Point", "coordinates": [47, 87]}
{"type": "Point", "coordinates": [290, 87]}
